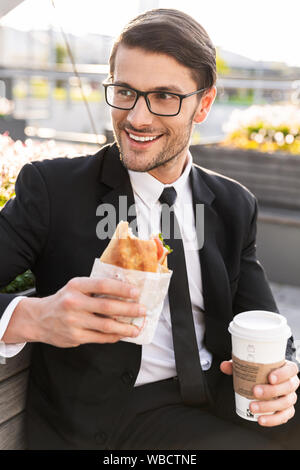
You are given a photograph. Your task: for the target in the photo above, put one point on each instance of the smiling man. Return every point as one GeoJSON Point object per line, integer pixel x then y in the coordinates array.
{"type": "Point", "coordinates": [156, 143]}
{"type": "Point", "coordinates": [88, 389]}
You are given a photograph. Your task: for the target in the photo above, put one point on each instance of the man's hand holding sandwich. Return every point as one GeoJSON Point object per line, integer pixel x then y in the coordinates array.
{"type": "Point", "coordinates": [76, 314]}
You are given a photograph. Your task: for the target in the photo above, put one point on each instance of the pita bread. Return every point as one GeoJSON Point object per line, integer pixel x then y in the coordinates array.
{"type": "Point", "coordinates": [130, 252]}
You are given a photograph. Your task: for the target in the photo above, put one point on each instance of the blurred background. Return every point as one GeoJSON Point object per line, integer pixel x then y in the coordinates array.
{"type": "Point", "coordinates": [258, 59]}
{"type": "Point", "coordinates": [53, 59]}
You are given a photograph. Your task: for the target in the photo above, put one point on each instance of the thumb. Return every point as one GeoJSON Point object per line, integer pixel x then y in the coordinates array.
{"type": "Point", "coordinates": [226, 367]}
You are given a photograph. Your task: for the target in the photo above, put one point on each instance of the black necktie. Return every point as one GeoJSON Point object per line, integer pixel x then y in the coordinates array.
{"type": "Point", "coordinates": [190, 374]}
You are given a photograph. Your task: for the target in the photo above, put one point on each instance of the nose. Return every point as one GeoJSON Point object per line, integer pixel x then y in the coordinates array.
{"type": "Point", "coordinates": [140, 115]}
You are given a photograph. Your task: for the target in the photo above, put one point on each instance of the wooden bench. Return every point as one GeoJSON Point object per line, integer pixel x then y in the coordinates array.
{"type": "Point", "coordinates": [13, 385]}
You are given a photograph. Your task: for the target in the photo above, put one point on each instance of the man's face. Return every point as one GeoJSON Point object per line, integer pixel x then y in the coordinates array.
{"type": "Point", "coordinates": [147, 71]}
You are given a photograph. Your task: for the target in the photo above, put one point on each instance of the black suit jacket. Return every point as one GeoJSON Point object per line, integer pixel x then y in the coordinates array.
{"type": "Point", "coordinates": [76, 395]}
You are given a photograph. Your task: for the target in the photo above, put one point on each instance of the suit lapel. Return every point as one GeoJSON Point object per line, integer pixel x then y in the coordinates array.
{"type": "Point", "coordinates": [116, 190]}
{"type": "Point", "coordinates": [119, 192]}
{"type": "Point", "coordinates": [216, 289]}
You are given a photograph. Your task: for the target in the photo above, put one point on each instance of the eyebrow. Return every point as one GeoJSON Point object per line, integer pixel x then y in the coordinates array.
{"type": "Point", "coordinates": [170, 88]}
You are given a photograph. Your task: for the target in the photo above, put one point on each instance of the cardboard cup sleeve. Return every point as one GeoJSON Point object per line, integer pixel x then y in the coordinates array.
{"type": "Point", "coordinates": [153, 289]}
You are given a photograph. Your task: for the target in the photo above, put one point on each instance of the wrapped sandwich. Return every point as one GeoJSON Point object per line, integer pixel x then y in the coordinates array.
{"type": "Point", "coordinates": [142, 263]}
{"type": "Point", "coordinates": [130, 252]}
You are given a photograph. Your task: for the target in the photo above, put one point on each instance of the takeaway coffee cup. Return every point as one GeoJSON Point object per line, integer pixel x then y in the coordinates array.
{"type": "Point", "coordinates": [259, 341]}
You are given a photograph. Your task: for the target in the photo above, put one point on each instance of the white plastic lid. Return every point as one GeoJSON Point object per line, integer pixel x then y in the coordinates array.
{"type": "Point", "coordinates": [260, 325]}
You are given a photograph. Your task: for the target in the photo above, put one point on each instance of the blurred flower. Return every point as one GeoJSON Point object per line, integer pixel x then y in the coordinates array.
{"type": "Point", "coordinates": [6, 107]}
{"type": "Point", "coordinates": [15, 154]}
{"type": "Point", "coordinates": [279, 137]}
{"type": "Point", "coordinates": [267, 128]}
{"type": "Point", "coordinates": [289, 139]}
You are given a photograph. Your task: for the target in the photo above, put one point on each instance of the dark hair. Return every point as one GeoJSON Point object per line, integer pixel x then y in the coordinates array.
{"type": "Point", "coordinates": [175, 33]}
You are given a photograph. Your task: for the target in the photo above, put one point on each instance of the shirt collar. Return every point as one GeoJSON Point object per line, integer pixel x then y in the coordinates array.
{"type": "Point", "coordinates": [149, 188]}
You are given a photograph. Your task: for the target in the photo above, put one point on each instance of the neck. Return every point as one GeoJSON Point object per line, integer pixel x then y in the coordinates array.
{"type": "Point", "coordinates": [170, 171]}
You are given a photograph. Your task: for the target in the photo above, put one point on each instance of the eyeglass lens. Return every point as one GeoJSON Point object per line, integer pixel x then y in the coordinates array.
{"type": "Point", "coordinates": [160, 102]}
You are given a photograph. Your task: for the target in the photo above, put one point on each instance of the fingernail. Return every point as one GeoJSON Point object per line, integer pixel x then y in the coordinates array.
{"type": "Point", "coordinates": [254, 407]}
{"type": "Point", "coordinates": [273, 379]}
{"type": "Point", "coordinates": [258, 391]}
{"type": "Point", "coordinates": [262, 420]}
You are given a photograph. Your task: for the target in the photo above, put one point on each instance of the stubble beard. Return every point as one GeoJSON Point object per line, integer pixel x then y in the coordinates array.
{"type": "Point", "coordinates": [170, 153]}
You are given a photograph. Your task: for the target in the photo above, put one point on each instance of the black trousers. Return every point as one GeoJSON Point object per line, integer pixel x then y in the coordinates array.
{"type": "Point", "coordinates": [156, 419]}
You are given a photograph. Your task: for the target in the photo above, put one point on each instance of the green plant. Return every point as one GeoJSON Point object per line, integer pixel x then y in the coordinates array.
{"type": "Point", "coordinates": [20, 283]}
{"type": "Point", "coordinates": [222, 67]}
{"type": "Point", "coordinates": [61, 55]}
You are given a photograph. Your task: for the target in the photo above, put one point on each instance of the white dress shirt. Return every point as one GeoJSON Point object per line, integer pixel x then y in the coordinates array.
{"type": "Point", "coordinates": [158, 361]}
{"type": "Point", "coordinates": [9, 350]}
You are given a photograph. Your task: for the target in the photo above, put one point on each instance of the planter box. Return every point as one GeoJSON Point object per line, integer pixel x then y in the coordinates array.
{"type": "Point", "coordinates": [273, 178]}
{"type": "Point", "coordinates": [13, 387]}
{"type": "Point", "coordinates": [15, 127]}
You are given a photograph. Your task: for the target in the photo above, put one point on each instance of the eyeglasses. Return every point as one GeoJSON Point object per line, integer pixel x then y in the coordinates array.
{"type": "Point", "coordinates": [160, 103]}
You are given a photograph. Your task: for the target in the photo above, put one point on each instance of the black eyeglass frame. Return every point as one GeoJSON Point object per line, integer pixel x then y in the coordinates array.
{"type": "Point", "coordinates": [145, 95]}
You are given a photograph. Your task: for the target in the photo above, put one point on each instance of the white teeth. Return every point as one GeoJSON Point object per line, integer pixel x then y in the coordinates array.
{"type": "Point", "coordinates": [142, 139]}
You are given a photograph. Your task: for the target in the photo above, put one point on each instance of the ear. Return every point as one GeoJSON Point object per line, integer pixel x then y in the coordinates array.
{"type": "Point", "coordinates": [205, 105]}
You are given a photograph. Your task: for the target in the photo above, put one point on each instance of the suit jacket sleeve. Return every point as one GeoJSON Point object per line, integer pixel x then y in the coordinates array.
{"type": "Point", "coordinates": [24, 225]}
{"type": "Point", "coordinates": [253, 291]}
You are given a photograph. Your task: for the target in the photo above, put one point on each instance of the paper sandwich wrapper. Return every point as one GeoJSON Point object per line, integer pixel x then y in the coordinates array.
{"type": "Point", "coordinates": [153, 287]}
{"type": "Point", "coordinates": [133, 260]}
